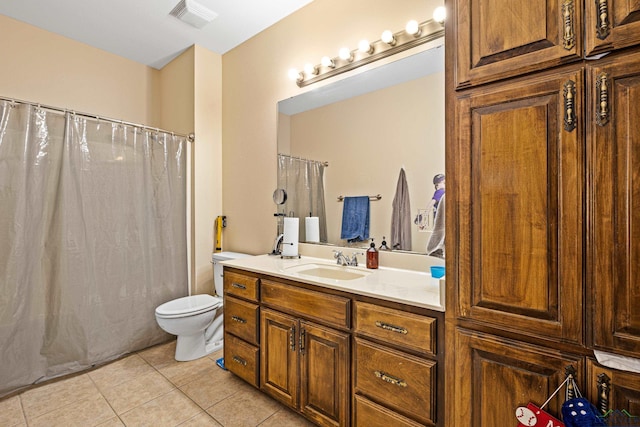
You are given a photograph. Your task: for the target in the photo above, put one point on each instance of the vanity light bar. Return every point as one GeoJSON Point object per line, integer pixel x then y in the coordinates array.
{"type": "Point", "coordinates": [389, 44]}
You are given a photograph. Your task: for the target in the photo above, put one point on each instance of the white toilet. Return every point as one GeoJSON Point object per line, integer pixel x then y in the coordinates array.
{"type": "Point", "coordinates": [197, 319]}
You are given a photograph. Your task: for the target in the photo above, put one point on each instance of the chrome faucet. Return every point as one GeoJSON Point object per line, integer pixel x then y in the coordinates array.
{"type": "Point", "coordinates": [342, 259]}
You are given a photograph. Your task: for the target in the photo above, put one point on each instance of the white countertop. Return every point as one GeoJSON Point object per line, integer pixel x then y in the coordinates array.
{"type": "Point", "coordinates": [409, 287]}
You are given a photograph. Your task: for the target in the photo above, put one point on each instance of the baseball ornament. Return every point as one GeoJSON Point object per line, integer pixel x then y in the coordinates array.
{"type": "Point", "coordinates": [526, 417]}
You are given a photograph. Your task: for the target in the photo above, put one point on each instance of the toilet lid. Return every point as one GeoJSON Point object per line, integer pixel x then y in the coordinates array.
{"type": "Point", "coordinates": [193, 304]}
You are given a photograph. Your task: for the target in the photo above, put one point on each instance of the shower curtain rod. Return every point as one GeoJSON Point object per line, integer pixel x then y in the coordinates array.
{"type": "Point", "coordinates": [325, 164]}
{"type": "Point", "coordinates": [190, 137]}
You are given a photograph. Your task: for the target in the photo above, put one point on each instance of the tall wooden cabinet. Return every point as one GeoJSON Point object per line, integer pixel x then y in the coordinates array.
{"type": "Point", "coordinates": [614, 205]}
{"type": "Point", "coordinates": [543, 224]}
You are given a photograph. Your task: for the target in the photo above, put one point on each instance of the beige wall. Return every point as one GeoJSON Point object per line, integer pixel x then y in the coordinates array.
{"type": "Point", "coordinates": [43, 67]}
{"type": "Point", "coordinates": [183, 97]}
{"type": "Point", "coordinates": [367, 140]}
{"type": "Point", "coordinates": [255, 79]}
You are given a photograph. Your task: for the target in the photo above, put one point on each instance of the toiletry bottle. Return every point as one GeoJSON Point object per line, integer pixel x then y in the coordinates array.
{"type": "Point", "coordinates": [372, 256]}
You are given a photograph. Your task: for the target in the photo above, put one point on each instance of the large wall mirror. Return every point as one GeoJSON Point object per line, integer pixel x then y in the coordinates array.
{"type": "Point", "coordinates": [362, 131]}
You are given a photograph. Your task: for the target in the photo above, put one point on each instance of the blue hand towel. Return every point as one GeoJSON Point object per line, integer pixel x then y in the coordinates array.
{"type": "Point", "coordinates": [355, 219]}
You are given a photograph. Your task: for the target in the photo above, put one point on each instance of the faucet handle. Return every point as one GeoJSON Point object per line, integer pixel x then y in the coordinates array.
{"type": "Point", "coordinates": [354, 259]}
{"type": "Point", "coordinates": [336, 253]}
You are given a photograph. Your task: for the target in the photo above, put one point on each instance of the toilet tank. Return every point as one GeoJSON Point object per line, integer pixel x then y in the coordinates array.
{"type": "Point", "coordinates": [216, 258]}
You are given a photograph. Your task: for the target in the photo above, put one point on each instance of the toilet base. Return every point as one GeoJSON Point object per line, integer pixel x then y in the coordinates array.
{"type": "Point", "coordinates": [192, 347]}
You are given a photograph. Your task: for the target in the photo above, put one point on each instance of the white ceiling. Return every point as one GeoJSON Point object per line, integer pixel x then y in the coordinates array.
{"type": "Point", "coordinates": [143, 30]}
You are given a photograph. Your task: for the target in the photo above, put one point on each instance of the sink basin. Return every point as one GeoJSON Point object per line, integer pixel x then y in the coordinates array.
{"type": "Point", "coordinates": [335, 272]}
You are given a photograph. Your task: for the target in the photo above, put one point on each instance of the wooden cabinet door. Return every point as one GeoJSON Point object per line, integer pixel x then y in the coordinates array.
{"type": "Point", "coordinates": [279, 356]}
{"type": "Point", "coordinates": [496, 39]}
{"type": "Point", "coordinates": [494, 376]}
{"type": "Point", "coordinates": [614, 158]}
{"type": "Point", "coordinates": [518, 205]}
{"type": "Point", "coordinates": [611, 24]}
{"type": "Point", "coordinates": [611, 389]}
{"type": "Point", "coordinates": [324, 374]}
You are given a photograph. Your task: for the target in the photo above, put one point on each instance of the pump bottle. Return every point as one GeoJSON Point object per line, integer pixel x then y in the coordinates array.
{"type": "Point", "coordinates": [372, 256]}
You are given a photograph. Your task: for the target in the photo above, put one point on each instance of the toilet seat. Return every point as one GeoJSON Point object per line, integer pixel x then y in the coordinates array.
{"type": "Point", "coordinates": [188, 306]}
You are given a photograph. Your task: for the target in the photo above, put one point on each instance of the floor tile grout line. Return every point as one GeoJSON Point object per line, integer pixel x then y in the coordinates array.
{"type": "Point", "coordinates": [107, 400]}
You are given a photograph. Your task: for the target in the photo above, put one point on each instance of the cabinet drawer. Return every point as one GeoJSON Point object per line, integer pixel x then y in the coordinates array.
{"type": "Point", "coordinates": [395, 326]}
{"type": "Point", "coordinates": [369, 414]}
{"type": "Point", "coordinates": [399, 381]}
{"type": "Point", "coordinates": [241, 285]}
{"type": "Point", "coordinates": [241, 359]}
{"type": "Point", "coordinates": [241, 318]}
{"type": "Point", "coordinates": [330, 309]}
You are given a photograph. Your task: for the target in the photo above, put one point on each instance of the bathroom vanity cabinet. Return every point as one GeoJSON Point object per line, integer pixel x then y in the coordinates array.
{"type": "Point", "coordinates": [338, 358]}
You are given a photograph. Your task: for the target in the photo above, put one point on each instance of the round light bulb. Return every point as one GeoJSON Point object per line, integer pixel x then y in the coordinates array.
{"type": "Point", "coordinates": [387, 37]}
{"type": "Point", "coordinates": [310, 69]}
{"type": "Point", "coordinates": [440, 14]}
{"type": "Point", "coordinates": [344, 53]}
{"type": "Point", "coordinates": [413, 28]}
{"type": "Point", "coordinates": [327, 62]}
{"type": "Point", "coordinates": [294, 74]}
{"type": "Point", "coordinates": [365, 47]}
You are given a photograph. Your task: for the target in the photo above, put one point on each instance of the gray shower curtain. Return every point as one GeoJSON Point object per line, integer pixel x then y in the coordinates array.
{"type": "Point", "coordinates": [303, 180]}
{"type": "Point", "coordinates": [92, 239]}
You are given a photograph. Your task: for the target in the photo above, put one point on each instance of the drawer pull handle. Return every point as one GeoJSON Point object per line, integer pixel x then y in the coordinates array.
{"type": "Point", "coordinates": [390, 379]}
{"type": "Point", "coordinates": [392, 328]}
{"type": "Point", "coordinates": [238, 285]}
{"type": "Point", "coordinates": [240, 360]}
{"type": "Point", "coordinates": [238, 319]}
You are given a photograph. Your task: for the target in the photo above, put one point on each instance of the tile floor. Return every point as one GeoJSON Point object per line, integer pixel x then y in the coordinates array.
{"type": "Point", "coordinates": [148, 388]}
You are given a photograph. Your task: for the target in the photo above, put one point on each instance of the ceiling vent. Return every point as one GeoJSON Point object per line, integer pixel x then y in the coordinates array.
{"type": "Point", "coordinates": [193, 13]}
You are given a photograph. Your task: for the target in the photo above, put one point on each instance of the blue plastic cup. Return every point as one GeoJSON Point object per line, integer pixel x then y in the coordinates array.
{"type": "Point", "coordinates": [437, 271]}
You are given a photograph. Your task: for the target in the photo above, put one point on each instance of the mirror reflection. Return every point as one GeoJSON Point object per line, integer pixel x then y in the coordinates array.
{"type": "Point", "coordinates": [378, 134]}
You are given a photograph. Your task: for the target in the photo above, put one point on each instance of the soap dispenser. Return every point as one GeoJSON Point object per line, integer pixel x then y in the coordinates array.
{"type": "Point", "coordinates": [372, 256]}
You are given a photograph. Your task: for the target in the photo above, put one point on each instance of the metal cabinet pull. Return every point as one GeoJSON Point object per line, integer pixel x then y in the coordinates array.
{"type": "Point", "coordinates": [602, 19]}
{"type": "Point", "coordinates": [238, 319]}
{"type": "Point", "coordinates": [292, 339]}
{"type": "Point", "coordinates": [238, 285]}
{"type": "Point", "coordinates": [570, 120]}
{"type": "Point", "coordinates": [568, 33]}
{"type": "Point", "coordinates": [392, 328]}
{"type": "Point", "coordinates": [240, 360]}
{"type": "Point", "coordinates": [303, 335]}
{"type": "Point", "coordinates": [604, 388]}
{"type": "Point", "coordinates": [390, 379]}
{"type": "Point", "coordinates": [602, 99]}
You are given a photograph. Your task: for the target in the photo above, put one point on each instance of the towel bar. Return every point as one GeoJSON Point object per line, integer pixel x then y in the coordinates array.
{"type": "Point", "coordinates": [376, 197]}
